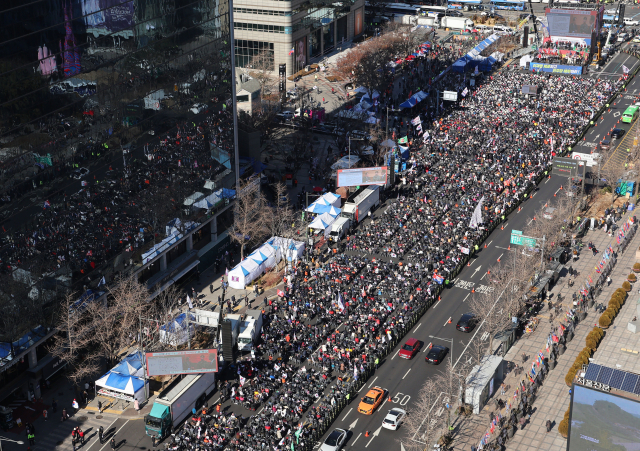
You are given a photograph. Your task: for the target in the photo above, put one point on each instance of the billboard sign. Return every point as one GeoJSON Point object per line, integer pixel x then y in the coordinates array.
{"type": "Point", "coordinates": [556, 68]}
{"type": "Point", "coordinates": [591, 158]}
{"type": "Point", "coordinates": [110, 15]}
{"type": "Point", "coordinates": [602, 421]}
{"type": "Point", "coordinates": [572, 23]}
{"type": "Point", "coordinates": [182, 362]}
{"type": "Point", "coordinates": [362, 176]}
{"type": "Point", "coordinates": [565, 167]}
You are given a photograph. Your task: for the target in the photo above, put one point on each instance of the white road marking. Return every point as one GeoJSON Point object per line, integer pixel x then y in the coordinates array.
{"type": "Point", "coordinates": [483, 276]}
{"type": "Point", "coordinates": [489, 243]}
{"type": "Point", "coordinates": [354, 442]}
{"type": "Point", "coordinates": [344, 417]}
{"type": "Point", "coordinates": [374, 435]}
{"type": "Point", "coordinates": [414, 330]}
{"type": "Point", "coordinates": [504, 248]}
{"type": "Point", "coordinates": [465, 298]}
{"type": "Point", "coordinates": [500, 255]}
{"type": "Point", "coordinates": [405, 374]}
{"type": "Point", "coordinates": [394, 355]}
{"type": "Point", "coordinates": [353, 425]}
{"type": "Point", "coordinates": [447, 322]}
{"type": "Point", "coordinates": [373, 381]}
{"type": "Point", "coordinates": [106, 443]}
{"type": "Point", "coordinates": [529, 221]}
{"type": "Point", "coordinates": [106, 429]}
{"type": "Point", "coordinates": [477, 269]}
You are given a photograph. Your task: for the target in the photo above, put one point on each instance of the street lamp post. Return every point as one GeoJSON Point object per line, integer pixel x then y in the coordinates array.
{"type": "Point", "coordinates": [9, 440]}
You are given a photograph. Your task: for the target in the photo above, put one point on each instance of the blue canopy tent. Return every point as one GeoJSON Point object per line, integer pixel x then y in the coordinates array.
{"type": "Point", "coordinates": [459, 66]}
{"type": "Point", "coordinates": [409, 103]}
{"type": "Point", "coordinates": [125, 380]}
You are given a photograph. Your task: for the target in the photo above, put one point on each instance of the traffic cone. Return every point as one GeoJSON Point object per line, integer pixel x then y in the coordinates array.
{"type": "Point", "coordinates": [488, 272]}
{"type": "Point", "coordinates": [389, 398]}
{"type": "Point", "coordinates": [473, 290]}
{"type": "Point", "coordinates": [534, 218]}
{"type": "Point", "coordinates": [502, 228]}
{"type": "Point", "coordinates": [468, 263]}
{"type": "Point", "coordinates": [519, 208]}
{"type": "Point", "coordinates": [366, 434]}
{"type": "Point", "coordinates": [449, 322]}
{"type": "Point", "coordinates": [560, 186]}
{"type": "Point", "coordinates": [554, 194]}
{"type": "Point", "coordinates": [485, 245]}
{"type": "Point", "coordinates": [438, 298]}
{"type": "Point", "coordinates": [498, 260]}
{"type": "Point", "coordinates": [509, 248]}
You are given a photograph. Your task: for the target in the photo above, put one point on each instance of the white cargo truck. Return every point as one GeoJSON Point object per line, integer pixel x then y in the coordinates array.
{"type": "Point", "coordinates": [429, 21]}
{"type": "Point", "coordinates": [173, 405]}
{"type": "Point", "coordinates": [250, 329]}
{"type": "Point", "coordinates": [361, 203]}
{"type": "Point", "coordinates": [457, 23]}
{"type": "Point", "coordinates": [236, 321]}
{"type": "Point", "coordinates": [339, 229]}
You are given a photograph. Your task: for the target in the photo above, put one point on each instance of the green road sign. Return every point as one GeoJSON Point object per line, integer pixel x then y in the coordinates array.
{"type": "Point", "coordinates": [522, 240]}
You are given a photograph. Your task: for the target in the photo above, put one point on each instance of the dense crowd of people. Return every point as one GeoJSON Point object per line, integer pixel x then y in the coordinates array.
{"type": "Point", "coordinates": [339, 312]}
{"type": "Point", "coordinates": [106, 217]}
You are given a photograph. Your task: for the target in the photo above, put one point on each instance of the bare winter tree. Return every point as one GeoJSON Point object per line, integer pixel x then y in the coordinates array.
{"type": "Point", "coordinates": [611, 171]}
{"type": "Point", "coordinates": [424, 419]}
{"type": "Point", "coordinates": [281, 216]}
{"type": "Point", "coordinates": [74, 342]}
{"type": "Point", "coordinates": [116, 325]}
{"type": "Point", "coordinates": [261, 68]}
{"type": "Point", "coordinates": [250, 223]}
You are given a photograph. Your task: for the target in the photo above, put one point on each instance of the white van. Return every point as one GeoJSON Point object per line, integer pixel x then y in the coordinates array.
{"type": "Point", "coordinates": [502, 29]}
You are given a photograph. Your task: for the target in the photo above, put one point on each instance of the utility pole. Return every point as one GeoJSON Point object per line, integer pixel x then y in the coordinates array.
{"type": "Point", "coordinates": [386, 131]}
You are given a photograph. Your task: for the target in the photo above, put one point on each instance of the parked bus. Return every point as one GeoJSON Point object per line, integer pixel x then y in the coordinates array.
{"type": "Point", "coordinates": [389, 9]}
{"type": "Point", "coordinates": [608, 21]}
{"type": "Point", "coordinates": [432, 11]}
{"type": "Point", "coordinates": [630, 114]}
{"type": "Point", "coordinates": [513, 5]}
{"type": "Point", "coordinates": [465, 5]}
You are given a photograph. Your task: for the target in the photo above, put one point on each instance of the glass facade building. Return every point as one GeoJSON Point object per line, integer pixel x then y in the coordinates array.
{"type": "Point", "coordinates": [116, 117]}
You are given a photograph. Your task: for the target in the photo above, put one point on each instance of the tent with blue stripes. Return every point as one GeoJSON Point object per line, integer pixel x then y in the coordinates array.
{"type": "Point", "coordinates": [244, 273]}
{"type": "Point", "coordinates": [125, 380]}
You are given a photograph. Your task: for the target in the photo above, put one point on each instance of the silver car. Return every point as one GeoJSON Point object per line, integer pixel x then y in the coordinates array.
{"type": "Point", "coordinates": [393, 419]}
{"type": "Point", "coordinates": [335, 440]}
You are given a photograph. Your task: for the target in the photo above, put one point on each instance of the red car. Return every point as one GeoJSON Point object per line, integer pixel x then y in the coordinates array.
{"type": "Point", "coordinates": [409, 349]}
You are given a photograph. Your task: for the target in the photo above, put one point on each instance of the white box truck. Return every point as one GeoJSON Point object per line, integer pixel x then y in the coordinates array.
{"type": "Point", "coordinates": [236, 320]}
{"type": "Point", "coordinates": [173, 405]}
{"type": "Point", "coordinates": [458, 23]}
{"type": "Point", "coordinates": [250, 329]}
{"type": "Point", "coordinates": [339, 229]}
{"type": "Point", "coordinates": [362, 201]}
{"type": "Point", "coordinates": [429, 21]}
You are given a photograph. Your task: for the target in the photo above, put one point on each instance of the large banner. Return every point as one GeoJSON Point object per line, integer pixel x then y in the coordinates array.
{"type": "Point", "coordinates": [300, 54]}
{"type": "Point", "coordinates": [358, 21]}
{"type": "Point", "coordinates": [572, 22]}
{"type": "Point", "coordinates": [110, 15]}
{"type": "Point", "coordinates": [362, 176]}
{"type": "Point", "coordinates": [556, 68]}
{"type": "Point", "coordinates": [182, 362]}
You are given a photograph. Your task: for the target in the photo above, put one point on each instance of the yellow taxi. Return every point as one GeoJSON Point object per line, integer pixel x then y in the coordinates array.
{"type": "Point", "coordinates": [371, 401]}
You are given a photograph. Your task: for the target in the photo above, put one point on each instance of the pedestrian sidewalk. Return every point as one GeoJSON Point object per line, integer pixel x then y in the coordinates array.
{"type": "Point", "coordinates": [54, 434]}
{"type": "Point", "coordinates": [552, 397]}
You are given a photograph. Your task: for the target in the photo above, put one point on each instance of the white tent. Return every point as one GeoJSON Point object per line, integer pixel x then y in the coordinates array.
{"type": "Point", "coordinates": [175, 333]}
{"type": "Point", "coordinates": [243, 274]}
{"type": "Point", "coordinates": [345, 162]}
{"type": "Point", "coordinates": [323, 222]}
{"type": "Point", "coordinates": [290, 249]}
{"type": "Point", "coordinates": [388, 143]}
{"type": "Point", "coordinates": [333, 199]}
{"type": "Point", "coordinates": [266, 256]}
{"type": "Point", "coordinates": [335, 212]}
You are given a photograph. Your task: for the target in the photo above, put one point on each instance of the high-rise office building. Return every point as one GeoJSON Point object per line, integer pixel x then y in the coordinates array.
{"type": "Point", "coordinates": [292, 32]}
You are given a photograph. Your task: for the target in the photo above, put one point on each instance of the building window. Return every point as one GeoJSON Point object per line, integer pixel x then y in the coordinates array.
{"type": "Point", "coordinates": [254, 54]}
{"type": "Point", "coordinates": [266, 12]}
{"type": "Point", "coordinates": [258, 27]}
{"type": "Point", "coordinates": [242, 98]}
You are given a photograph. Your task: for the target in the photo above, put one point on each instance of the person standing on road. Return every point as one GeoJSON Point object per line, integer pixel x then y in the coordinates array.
{"type": "Point", "coordinates": [548, 425]}
{"type": "Point", "coordinates": [113, 443]}
{"type": "Point", "coordinates": [101, 434]}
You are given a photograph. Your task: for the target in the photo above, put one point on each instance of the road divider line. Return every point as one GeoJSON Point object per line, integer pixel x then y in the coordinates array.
{"type": "Point", "coordinates": [465, 298]}
{"type": "Point", "coordinates": [405, 374]}
{"type": "Point", "coordinates": [371, 383]}
{"type": "Point", "coordinates": [414, 330]}
{"type": "Point", "coordinates": [394, 355]}
{"type": "Point", "coordinates": [489, 243]}
{"type": "Point", "coordinates": [114, 434]}
{"type": "Point", "coordinates": [354, 442]}
{"type": "Point", "coordinates": [447, 322]}
{"type": "Point", "coordinates": [345, 417]}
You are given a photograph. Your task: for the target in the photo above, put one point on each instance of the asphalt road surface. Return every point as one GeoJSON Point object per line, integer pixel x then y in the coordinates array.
{"type": "Point", "coordinates": [403, 378]}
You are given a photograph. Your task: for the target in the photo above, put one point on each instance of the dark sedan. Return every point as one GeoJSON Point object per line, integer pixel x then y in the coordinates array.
{"type": "Point", "coordinates": [466, 323]}
{"type": "Point", "coordinates": [436, 354]}
{"type": "Point", "coordinates": [617, 133]}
